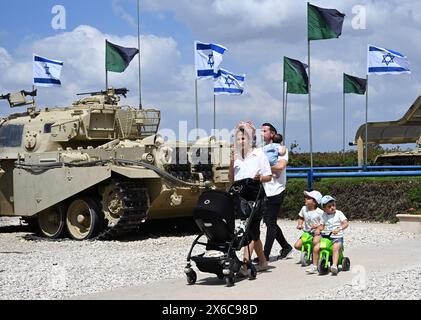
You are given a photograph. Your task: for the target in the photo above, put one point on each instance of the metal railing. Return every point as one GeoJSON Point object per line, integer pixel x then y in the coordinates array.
{"type": "Point", "coordinates": [351, 172]}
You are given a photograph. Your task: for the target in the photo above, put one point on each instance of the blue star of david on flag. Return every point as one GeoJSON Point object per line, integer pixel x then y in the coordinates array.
{"type": "Point", "coordinates": [208, 58]}
{"type": "Point", "coordinates": [388, 58]}
{"type": "Point", "coordinates": [211, 62]}
{"type": "Point", "coordinates": [228, 83]}
{"type": "Point", "coordinates": [46, 72]}
{"type": "Point", "coordinates": [229, 80]}
{"type": "Point", "coordinates": [385, 61]}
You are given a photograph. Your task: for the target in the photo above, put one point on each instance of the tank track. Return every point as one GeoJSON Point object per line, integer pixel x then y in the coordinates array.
{"type": "Point", "coordinates": [135, 207]}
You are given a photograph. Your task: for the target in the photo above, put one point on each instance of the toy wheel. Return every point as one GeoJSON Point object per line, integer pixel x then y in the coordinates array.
{"type": "Point", "coordinates": [321, 267]}
{"type": "Point", "coordinates": [303, 259]}
{"type": "Point", "coordinates": [191, 277]}
{"type": "Point", "coordinates": [229, 280]}
{"type": "Point", "coordinates": [346, 264]}
{"type": "Point", "coordinates": [252, 272]}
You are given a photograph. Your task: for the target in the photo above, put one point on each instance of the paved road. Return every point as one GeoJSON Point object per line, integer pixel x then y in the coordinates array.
{"type": "Point", "coordinates": [285, 280]}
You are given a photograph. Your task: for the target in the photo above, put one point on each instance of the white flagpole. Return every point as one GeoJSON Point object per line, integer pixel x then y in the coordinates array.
{"type": "Point", "coordinates": [33, 98]}
{"type": "Point", "coordinates": [286, 112]}
{"type": "Point", "coordinates": [106, 71]}
{"type": "Point", "coordinates": [309, 107]}
{"type": "Point", "coordinates": [343, 115]}
{"type": "Point", "coordinates": [283, 109]}
{"type": "Point", "coordinates": [138, 47]}
{"type": "Point", "coordinates": [197, 111]}
{"type": "Point", "coordinates": [214, 112]}
{"type": "Point", "coordinates": [366, 123]}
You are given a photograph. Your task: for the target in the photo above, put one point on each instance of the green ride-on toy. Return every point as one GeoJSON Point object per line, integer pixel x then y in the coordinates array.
{"type": "Point", "coordinates": [326, 257]}
{"type": "Point", "coordinates": [306, 257]}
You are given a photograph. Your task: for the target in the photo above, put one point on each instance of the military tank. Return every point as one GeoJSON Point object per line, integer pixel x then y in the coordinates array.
{"type": "Point", "coordinates": [97, 169]}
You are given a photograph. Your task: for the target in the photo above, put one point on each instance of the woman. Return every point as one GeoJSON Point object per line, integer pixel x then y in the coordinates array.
{"type": "Point", "coordinates": [250, 162]}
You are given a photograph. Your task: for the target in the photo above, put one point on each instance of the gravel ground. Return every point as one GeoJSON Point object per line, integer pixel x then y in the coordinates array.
{"type": "Point", "coordinates": [35, 268]}
{"type": "Point", "coordinates": [400, 285]}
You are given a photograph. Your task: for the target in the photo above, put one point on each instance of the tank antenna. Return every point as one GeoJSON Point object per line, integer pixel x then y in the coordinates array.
{"type": "Point", "coordinates": [138, 47]}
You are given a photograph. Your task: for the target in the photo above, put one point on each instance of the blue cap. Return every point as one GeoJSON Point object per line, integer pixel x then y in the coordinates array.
{"type": "Point", "coordinates": [326, 199]}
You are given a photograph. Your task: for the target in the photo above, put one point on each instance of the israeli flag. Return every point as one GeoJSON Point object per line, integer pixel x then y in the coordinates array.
{"type": "Point", "coordinates": [208, 58]}
{"type": "Point", "coordinates": [228, 83]}
{"type": "Point", "coordinates": [46, 72]}
{"type": "Point", "coordinates": [384, 61]}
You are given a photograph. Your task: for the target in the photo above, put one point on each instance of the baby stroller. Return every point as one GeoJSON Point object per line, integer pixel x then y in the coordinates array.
{"type": "Point", "coordinates": [215, 215]}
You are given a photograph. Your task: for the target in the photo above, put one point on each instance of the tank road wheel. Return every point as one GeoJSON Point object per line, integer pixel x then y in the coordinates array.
{"type": "Point", "coordinates": [82, 219]}
{"type": "Point", "coordinates": [51, 222]}
{"type": "Point", "coordinates": [112, 204]}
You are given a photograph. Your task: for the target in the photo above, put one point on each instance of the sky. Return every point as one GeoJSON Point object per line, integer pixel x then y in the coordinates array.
{"type": "Point", "coordinates": [257, 34]}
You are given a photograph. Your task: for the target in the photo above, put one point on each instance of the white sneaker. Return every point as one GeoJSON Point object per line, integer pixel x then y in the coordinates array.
{"type": "Point", "coordinates": [334, 270]}
{"type": "Point", "coordinates": [312, 269]}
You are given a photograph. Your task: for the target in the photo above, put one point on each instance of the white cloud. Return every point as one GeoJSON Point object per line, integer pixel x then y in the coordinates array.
{"type": "Point", "coordinates": [82, 51]}
{"type": "Point", "coordinates": [257, 33]}
{"type": "Point", "coordinates": [119, 10]}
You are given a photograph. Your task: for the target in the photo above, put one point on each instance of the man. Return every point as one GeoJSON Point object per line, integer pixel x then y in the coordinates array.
{"type": "Point", "coordinates": [275, 193]}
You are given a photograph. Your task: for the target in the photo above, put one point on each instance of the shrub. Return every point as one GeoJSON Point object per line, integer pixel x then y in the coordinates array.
{"type": "Point", "coordinates": [367, 199]}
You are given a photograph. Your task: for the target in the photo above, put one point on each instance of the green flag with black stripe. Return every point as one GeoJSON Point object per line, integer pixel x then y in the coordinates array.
{"type": "Point", "coordinates": [324, 23]}
{"type": "Point", "coordinates": [295, 75]}
{"type": "Point", "coordinates": [354, 84]}
{"type": "Point", "coordinates": [118, 58]}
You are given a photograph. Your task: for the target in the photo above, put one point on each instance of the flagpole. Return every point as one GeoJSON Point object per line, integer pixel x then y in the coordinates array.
{"type": "Point", "coordinates": [33, 98]}
{"type": "Point", "coordinates": [309, 107]}
{"type": "Point", "coordinates": [214, 112]}
{"type": "Point", "coordinates": [286, 112]}
{"type": "Point", "coordinates": [106, 72]}
{"type": "Point", "coordinates": [283, 109]}
{"type": "Point", "coordinates": [138, 47]}
{"type": "Point", "coordinates": [343, 123]}
{"type": "Point", "coordinates": [366, 123]}
{"type": "Point", "coordinates": [197, 110]}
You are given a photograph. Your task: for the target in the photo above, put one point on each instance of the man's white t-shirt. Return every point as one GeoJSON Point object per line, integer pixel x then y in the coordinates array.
{"type": "Point", "coordinates": [311, 218]}
{"type": "Point", "coordinates": [255, 162]}
{"type": "Point", "coordinates": [332, 222]}
{"type": "Point", "coordinates": [278, 183]}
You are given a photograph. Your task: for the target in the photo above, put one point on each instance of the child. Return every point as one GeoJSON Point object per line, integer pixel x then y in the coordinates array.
{"type": "Point", "coordinates": [274, 150]}
{"type": "Point", "coordinates": [332, 226]}
{"type": "Point", "coordinates": [310, 216]}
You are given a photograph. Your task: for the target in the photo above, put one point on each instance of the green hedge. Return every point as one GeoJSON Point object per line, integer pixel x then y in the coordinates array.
{"type": "Point", "coordinates": [367, 199]}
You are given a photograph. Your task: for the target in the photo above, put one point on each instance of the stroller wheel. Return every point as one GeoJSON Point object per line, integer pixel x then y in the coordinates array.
{"type": "Point", "coordinates": [229, 280]}
{"type": "Point", "coordinates": [252, 272]}
{"type": "Point", "coordinates": [191, 277]}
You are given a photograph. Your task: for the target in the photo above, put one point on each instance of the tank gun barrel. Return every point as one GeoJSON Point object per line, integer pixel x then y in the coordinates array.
{"type": "Point", "coordinates": [120, 91]}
